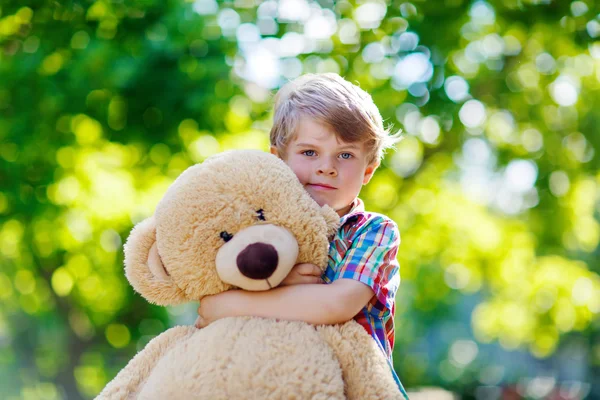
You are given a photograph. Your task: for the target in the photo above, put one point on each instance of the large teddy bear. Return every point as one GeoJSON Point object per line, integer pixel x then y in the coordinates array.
{"type": "Point", "coordinates": [241, 220]}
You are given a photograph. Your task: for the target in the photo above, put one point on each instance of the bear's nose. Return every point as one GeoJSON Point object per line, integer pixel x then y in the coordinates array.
{"type": "Point", "coordinates": [258, 261]}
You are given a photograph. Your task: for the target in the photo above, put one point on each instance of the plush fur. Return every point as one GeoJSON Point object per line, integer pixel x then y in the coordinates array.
{"type": "Point", "coordinates": [203, 227]}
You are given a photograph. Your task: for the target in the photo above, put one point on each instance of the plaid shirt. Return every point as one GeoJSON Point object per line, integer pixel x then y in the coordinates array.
{"type": "Point", "coordinates": [364, 249]}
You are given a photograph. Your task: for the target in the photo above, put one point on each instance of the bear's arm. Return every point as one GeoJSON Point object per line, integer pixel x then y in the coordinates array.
{"type": "Point", "coordinates": [130, 379]}
{"type": "Point", "coordinates": [365, 369]}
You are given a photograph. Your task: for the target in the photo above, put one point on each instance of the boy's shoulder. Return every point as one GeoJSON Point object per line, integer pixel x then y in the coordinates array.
{"type": "Point", "coordinates": [362, 222]}
{"type": "Point", "coordinates": [363, 217]}
{"type": "Point", "coordinates": [358, 216]}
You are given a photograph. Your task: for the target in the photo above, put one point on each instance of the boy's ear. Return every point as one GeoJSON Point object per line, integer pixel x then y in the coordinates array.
{"type": "Point", "coordinates": [332, 218]}
{"type": "Point", "coordinates": [371, 168]}
{"type": "Point", "coordinates": [274, 151]}
{"type": "Point", "coordinates": [144, 271]}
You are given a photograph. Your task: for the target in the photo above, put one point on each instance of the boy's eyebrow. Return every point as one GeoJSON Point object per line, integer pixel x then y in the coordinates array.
{"type": "Point", "coordinates": [350, 147]}
{"type": "Point", "coordinates": [346, 147]}
{"type": "Point", "coordinates": [305, 145]}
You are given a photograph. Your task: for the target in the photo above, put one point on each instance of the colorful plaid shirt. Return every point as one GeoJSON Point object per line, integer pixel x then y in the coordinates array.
{"type": "Point", "coordinates": [364, 249]}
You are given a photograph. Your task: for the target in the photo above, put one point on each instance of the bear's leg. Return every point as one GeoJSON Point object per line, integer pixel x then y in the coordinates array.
{"type": "Point", "coordinates": [130, 380]}
{"type": "Point", "coordinates": [366, 372]}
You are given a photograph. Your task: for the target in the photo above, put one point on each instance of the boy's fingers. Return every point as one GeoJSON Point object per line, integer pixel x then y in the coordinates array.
{"type": "Point", "coordinates": [309, 269]}
{"type": "Point", "coordinates": [303, 269]}
{"type": "Point", "coordinates": [317, 271]}
{"type": "Point", "coordinates": [314, 279]}
{"type": "Point", "coordinates": [199, 322]}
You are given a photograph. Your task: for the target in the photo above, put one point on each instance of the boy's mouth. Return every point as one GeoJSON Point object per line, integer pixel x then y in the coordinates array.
{"type": "Point", "coordinates": [321, 186]}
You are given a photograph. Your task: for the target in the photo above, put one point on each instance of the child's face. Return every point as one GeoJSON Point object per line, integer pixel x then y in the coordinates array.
{"type": "Point", "coordinates": [330, 170]}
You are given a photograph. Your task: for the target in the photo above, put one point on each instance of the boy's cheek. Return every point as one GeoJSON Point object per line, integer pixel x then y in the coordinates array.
{"type": "Point", "coordinates": [300, 173]}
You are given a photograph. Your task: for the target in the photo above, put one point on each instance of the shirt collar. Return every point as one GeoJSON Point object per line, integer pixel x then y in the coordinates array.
{"type": "Point", "coordinates": [357, 207]}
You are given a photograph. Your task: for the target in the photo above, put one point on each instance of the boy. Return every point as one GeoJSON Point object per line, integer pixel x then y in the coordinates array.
{"type": "Point", "coordinates": [331, 135]}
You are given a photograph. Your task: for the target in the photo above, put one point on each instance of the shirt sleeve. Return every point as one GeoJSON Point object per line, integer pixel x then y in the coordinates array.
{"type": "Point", "coordinates": [371, 259]}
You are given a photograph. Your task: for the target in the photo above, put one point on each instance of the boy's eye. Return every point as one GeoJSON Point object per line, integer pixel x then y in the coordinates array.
{"type": "Point", "coordinates": [226, 236]}
{"type": "Point", "coordinates": [346, 156]}
{"type": "Point", "coordinates": [309, 153]}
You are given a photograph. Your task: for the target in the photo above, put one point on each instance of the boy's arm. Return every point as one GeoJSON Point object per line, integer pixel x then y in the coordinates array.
{"type": "Point", "coordinates": [316, 304]}
{"type": "Point", "coordinates": [369, 268]}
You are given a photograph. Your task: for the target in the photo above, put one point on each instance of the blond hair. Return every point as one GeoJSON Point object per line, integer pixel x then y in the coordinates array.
{"type": "Point", "coordinates": [330, 99]}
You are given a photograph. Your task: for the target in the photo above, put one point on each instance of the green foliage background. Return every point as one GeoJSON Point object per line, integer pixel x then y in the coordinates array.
{"type": "Point", "coordinates": [494, 188]}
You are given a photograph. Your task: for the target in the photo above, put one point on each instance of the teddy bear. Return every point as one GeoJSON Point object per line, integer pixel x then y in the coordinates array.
{"type": "Point", "coordinates": [241, 220]}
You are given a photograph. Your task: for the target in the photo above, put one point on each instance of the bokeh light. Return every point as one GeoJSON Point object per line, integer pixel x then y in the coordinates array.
{"type": "Point", "coordinates": [494, 185]}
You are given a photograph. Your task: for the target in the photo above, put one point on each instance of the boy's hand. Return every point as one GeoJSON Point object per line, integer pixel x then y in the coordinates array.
{"type": "Point", "coordinates": [233, 303]}
{"type": "Point", "coordinates": [216, 307]}
{"type": "Point", "coordinates": [302, 274]}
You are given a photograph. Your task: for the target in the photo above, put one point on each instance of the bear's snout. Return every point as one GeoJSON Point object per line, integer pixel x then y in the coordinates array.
{"type": "Point", "coordinates": [258, 261]}
{"type": "Point", "coordinates": [257, 257]}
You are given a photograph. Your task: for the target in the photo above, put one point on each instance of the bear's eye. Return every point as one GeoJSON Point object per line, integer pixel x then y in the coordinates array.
{"type": "Point", "coordinates": [261, 214]}
{"type": "Point", "coordinates": [226, 236]}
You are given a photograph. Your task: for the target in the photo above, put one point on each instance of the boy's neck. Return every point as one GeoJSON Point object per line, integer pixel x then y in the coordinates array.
{"type": "Point", "coordinates": [343, 211]}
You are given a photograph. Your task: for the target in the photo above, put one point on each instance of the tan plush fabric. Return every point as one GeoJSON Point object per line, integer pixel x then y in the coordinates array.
{"type": "Point", "coordinates": [240, 358]}
{"type": "Point", "coordinates": [131, 379]}
{"type": "Point", "coordinates": [364, 369]}
{"type": "Point", "coordinates": [248, 358]}
{"type": "Point", "coordinates": [222, 194]}
{"type": "Point", "coordinates": [155, 289]}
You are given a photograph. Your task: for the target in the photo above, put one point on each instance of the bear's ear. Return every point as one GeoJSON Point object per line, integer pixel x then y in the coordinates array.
{"type": "Point", "coordinates": [332, 218]}
{"type": "Point", "coordinates": [148, 277]}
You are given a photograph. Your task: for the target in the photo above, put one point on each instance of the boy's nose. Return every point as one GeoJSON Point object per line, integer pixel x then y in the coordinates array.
{"type": "Point", "coordinates": [328, 170]}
